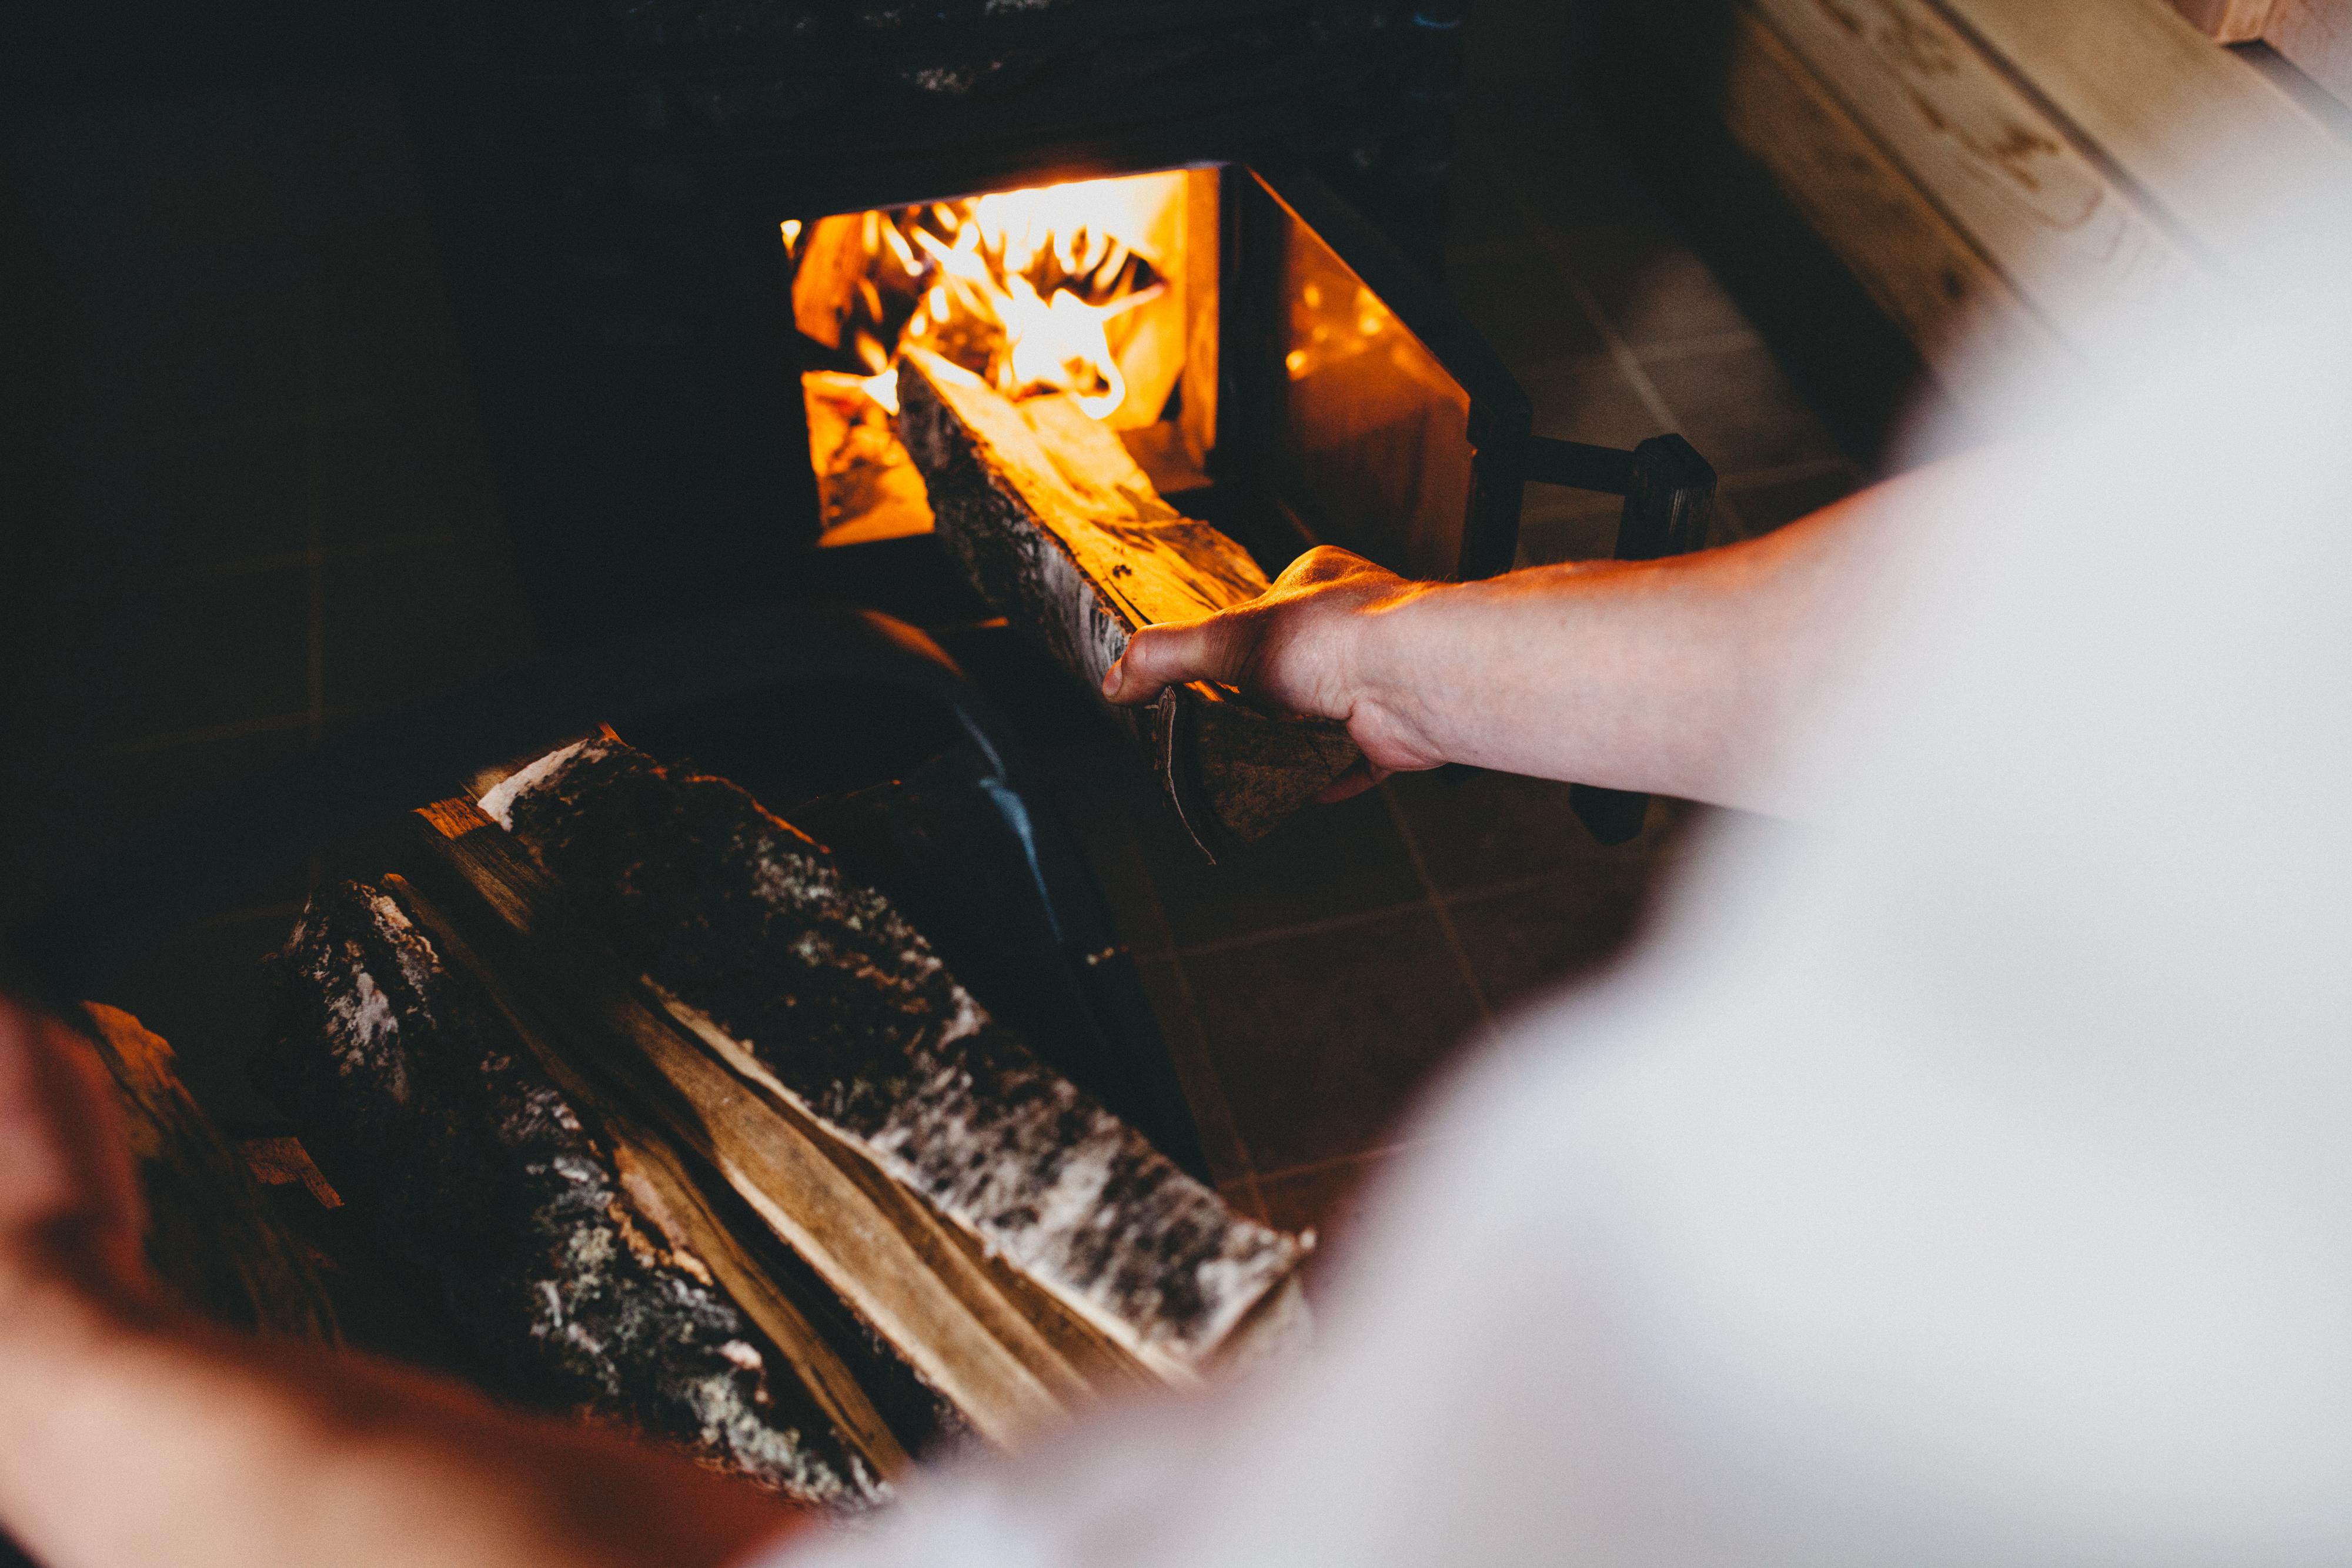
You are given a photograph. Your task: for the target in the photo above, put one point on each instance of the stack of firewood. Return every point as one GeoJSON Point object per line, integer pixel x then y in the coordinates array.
{"type": "Point", "coordinates": [690, 1132]}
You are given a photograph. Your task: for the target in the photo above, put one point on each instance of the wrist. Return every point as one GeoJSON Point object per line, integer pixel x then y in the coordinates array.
{"type": "Point", "coordinates": [1393, 651]}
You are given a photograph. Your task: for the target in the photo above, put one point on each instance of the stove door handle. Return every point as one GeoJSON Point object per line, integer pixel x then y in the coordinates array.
{"type": "Point", "coordinates": [1669, 491]}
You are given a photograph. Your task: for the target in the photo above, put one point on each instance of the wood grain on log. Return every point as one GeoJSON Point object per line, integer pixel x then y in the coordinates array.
{"type": "Point", "coordinates": [1061, 532]}
{"type": "Point", "coordinates": [476, 1173]}
{"type": "Point", "coordinates": [211, 1237]}
{"type": "Point", "coordinates": [816, 989]}
{"type": "Point", "coordinates": [887, 1260]}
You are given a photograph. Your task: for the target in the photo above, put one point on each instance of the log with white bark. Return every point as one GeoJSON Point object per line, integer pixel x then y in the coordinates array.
{"type": "Point", "coordinates": [816, 992]}
{"type": "Point", "coordinates": [1059, 530]}
{"type": "Point", "coordinates": [543, 1240]}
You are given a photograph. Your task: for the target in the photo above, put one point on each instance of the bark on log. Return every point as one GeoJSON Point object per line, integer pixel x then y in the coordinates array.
{"type": "Point", "coordinates": [918, 1299]}
{"type": "Point", "coordinates": [211, 1238]}
{"type": "Point", "coordinates": [817, 990]}
{"type": "Point", "coordinates": [1060, 531]}
{"type": "Point", "coordinates": [474, 1171]}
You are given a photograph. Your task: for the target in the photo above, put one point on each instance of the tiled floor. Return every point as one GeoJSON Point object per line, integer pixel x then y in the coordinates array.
{"type": "Point", "coordinates": [1312, 988]}
{"type": "Point", "coordinates": [278, 514]}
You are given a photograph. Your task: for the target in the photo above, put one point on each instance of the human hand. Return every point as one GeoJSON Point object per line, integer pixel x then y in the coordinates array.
{"type": "Point", "coordinates": [71, 1213]}
{"type": "Point", "coordinates": [1308, 646]}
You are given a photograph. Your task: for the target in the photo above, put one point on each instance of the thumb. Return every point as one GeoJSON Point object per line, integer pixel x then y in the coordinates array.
{"type": "Point", "coordinates": [1212, 648]}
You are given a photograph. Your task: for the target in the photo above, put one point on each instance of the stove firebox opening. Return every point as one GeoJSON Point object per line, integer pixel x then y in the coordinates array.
{"type": "Point", "coordinates": [1103, 290]}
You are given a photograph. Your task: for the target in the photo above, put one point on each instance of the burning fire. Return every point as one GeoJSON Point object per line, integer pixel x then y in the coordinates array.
{"type": "Point", "coordinates": [1036, 291]}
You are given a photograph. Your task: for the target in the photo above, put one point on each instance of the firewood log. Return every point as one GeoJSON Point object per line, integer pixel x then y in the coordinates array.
{"type": "Point", "coordinates": [476, 1173]}
{"type": "Point", "coordinates": [211, 1237]}
{"type": "Point", "coordinates": [816, 990]}
{"type": "Point", "coordinates": [919, 1297]}
{"type": "Point", "coordinates": [1060, 531]}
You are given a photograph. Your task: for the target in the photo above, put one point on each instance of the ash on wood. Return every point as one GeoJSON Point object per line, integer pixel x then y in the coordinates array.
{"type": "Point", "coordinates": [476, 1173]}
{"type": "Point", "coordinates": [1058, 529]}
{"type": "Point", "coordinates": [816, 989]}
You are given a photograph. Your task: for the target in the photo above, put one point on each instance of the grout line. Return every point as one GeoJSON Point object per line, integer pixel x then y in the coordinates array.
{"type": "Point", "coordinates": [1211, 1107]}
{"type": "Point", "coordinates": [314, 532]}
{"type": "Point", "coordinates": [1695, 347]}
{"type": "Point", "coordinates": [1359, 918]}
{"type": "Point", "coordinates": [287, 560]}
{"type": "Point", "coordinates": [1303, 928]}
{"type": "Point", "coordinates": [236, 729]}
{"type": "Point", "coordinates": [1629, 363]}
{"type": "Point", "coordinates": [1402, 1146]}
{"type": "Point", "coordinates": [1245, 1186]}
{"type": "Point", "coordinates": [1788, 473]}
{"type": "Point", "coordinates": [1437, 905]}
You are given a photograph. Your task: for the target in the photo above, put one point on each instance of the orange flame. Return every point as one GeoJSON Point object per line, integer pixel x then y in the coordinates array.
{"type": "Point", "coordinates": [1019, 287]}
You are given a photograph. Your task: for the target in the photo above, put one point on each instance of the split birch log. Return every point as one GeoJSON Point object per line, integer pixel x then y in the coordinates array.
{"type": "Point", "coordinates": [211, 1238]}
{"type": "Point", "coordinates": [1059, 530]}
{"type": "Point", "coordinates": [920, 1297]}
{"type": "Point", "coordinates": [547, 1245]}
{"type": "Point", "coordinates": [816, 990]}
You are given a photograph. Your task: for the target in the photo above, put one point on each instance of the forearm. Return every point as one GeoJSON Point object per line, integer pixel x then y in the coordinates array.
{"type": "Point", "coordinates": [130, 1436]}
{"type": "Point", "coordinates": [1683, 676]}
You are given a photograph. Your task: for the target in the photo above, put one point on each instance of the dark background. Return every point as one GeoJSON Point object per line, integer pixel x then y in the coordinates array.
{"type": "Point", "coordinates": [349, 357]}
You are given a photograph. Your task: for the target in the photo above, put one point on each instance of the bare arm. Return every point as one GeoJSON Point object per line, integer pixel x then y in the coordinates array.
{"type": "Point", "coordinates": [1679, 677]}
{"type": "Point", "coordinates": [131, 1435]}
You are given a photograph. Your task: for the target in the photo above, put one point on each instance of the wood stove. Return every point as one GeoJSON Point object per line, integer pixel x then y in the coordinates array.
{"type": "Point", "coordinates": [1273, 364]}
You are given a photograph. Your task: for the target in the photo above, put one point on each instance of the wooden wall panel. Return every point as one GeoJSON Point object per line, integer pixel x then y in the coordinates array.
{"type": "Point", "coordinates": [2004, 170]}
{"type": "Point", "coordinates": [2176, 116]}
{"type": "Point", "coordinates": [2316, 35]}
{"type": "Point", "coordinates": [1928, 278]}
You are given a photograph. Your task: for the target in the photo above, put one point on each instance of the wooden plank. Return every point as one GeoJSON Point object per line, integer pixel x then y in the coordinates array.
{"type": "Point", "coordinates": [1058, 529]}
{"type": "Point", "coordinates": [1923, 272]}
{"type": "Point", "coordinates": [2182, 119]}
{"type": "Point", "coordinates": [2002, 168]}
{"type": "Point", "coordinates": [2316, 36]}
{"type": "Point", "coordinates": [2226, 21]}
{"type": "Point", "coordinates": [878, 1251]}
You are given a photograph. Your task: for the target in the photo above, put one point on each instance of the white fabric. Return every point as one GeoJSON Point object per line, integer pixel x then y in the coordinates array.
{"type": "Point", "coordinates": [1967, 1179]}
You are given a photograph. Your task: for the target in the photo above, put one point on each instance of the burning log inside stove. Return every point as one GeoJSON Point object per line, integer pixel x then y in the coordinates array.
{"type": "Point", "coordinates": [1060, 530]}
{"type": "Point", "coordinates": [643, 1080]}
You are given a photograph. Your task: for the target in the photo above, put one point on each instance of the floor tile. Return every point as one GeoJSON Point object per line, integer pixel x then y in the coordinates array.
{"type": "Point", "coordinates": [1590, 401]}
{"type": "Point", "coordinates": [1478, 829]}
{"type": "Point", "coordinates": [1323, 1040]}
{"type": "Point", "coordinates": [1761, 509]}
{"type": "Point", "coordinates": [1326, 862]}
{"type": "Point", "coordinates": [1651, 288]}
{"type": "Point", "coordinates": [413, 624]}
{"type": "Point", "coordinates": [1328, 1200]}
{"type": "Point", "coordinates": [1537, 938]}
{"type": "Point", "coordinates": [1558, 524]}
{"type": "Point", "coordinates": [143, 658]}
{"type": "Point", "coordinates": [393, 471]}
{"type": "Point", "coordinates": [1741, 412]}
{"type": "Point", "coordinates": [1521, 306]}
{"type": "Point", "coordinates": [200, 495]}
{"type": "Point", "coordinates": [1165, 984]}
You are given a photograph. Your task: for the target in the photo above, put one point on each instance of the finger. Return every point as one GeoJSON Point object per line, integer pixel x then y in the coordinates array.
{"type": "Point", "coordinates": [1158, 658]}
{"type": "Point", "coordinates": [1324, 563]}
{"type": "Point", "coordinates": [1360, 776]}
